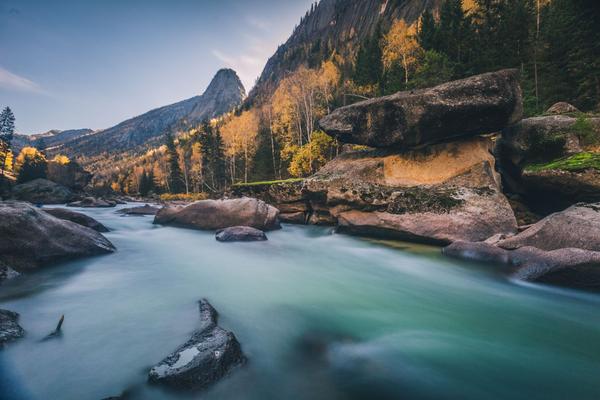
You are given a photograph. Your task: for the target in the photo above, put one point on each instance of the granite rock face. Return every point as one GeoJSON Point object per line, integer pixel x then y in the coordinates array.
{"type": "Point", "coordinates": [473, 106]}
{"type": "Point", "coordinates": [210, 354]}
{"type": "Point", "coordinates": [42, 191]}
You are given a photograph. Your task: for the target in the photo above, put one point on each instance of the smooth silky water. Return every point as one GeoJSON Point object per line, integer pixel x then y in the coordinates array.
{"type": "Point", "coordinates": [319, 315]}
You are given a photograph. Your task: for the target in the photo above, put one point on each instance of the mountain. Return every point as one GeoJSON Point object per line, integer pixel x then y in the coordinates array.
{"type": "Point", "coordinates": [50, 139]}
{"type": "Point", "coordinates": [224, 93]}
{"type": "Point", "coordinates": [334, 27]}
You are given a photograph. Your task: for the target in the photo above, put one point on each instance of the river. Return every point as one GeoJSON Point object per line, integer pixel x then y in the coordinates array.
{"type": "Point", "coordinates": [319, 316]}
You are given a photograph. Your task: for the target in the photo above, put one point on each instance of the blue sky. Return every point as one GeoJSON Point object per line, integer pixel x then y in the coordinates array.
{"type": "Point", "coordinates": [92, 64]}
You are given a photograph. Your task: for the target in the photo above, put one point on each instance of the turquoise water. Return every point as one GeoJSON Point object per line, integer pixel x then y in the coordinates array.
{"type": "Point", "coordinates": [319, 315]}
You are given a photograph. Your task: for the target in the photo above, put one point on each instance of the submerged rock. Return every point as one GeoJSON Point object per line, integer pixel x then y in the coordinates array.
{"type": "Point", "coordinates": [240, 234]}
{"type": "Point", "coordinates": [440, 194]}
{"type": "Point", "coordinates": [220, 214]}
{"type": "Point", "coordinates": [575, 227]}
{"type": "Point", "coordinates": [9, 327]}
{"type": "Point", "coordinates": [568, 267]}
{"type": "Point", "coordinates": [208, 356]}
{"type": "Point", "coordinates": [140, 210]}
{"type": "Point", "coordinates": [76, 217]}
{"type": "Point", "coordinates": [477, 105]}
{"type": "Point", "coordinates": [31, 238]}
{"type": "Point", "coordinates": [92, 202]}
{"type": "Point", "coordinates": [42, 191]}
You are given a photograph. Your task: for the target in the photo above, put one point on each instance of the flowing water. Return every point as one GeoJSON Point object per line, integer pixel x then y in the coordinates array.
{"type": "Point", "coordinates": [319, 315]}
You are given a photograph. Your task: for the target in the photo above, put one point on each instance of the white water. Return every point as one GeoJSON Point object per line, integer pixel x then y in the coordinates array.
{"type": "Point", "coordinates": [320, 316]}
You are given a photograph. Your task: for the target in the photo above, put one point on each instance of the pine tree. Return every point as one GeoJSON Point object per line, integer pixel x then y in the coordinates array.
{"type": "Point", "coordinates": [218, 158]}
{"type": "Point", "coordinates": [368, 69]}
{"type": "Point", "coordinates": [7, 131]}
{"type": "Point", "coordinates": [175, 178]}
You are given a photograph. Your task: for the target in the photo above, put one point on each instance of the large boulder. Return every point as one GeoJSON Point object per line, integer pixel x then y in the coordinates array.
{"type": "Point", "coordinates": [31, 238]}
{"type": "Point", "coordinates": [562, 108]}
{"type": "Point", "coordinates": [9, 327]}
{"type": "Point", "coordinates": [553, 161]}
{"type": "Point", "coordinates": [569, 267]}
{"type": "Point", "coordinates": [577, 226]}
{"type": "Point", "coordinates": [240, 234]}
{"type": "Point", "coordinates": [93, 202]}
{"type": "Point", "coordinates": [477, 105]}
{"type": "Point", "coordinates": [78, 218]}
{"type": "Point", "coordinates": [220, 214]}
{"type": "Point", "coordinates": [440, 194]}
{"type": "Point", "coordinates": [42, 191]}
{"type": "Point", "coordinates": [139, 210]}
{"type": "Point", "coordinates": [210, 354]}
{"type": "Point", "coordinates": [70, 174]}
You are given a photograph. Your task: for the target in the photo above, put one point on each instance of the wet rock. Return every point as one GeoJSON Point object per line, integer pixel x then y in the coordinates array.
{"type": "Point", "coordinates": [76, 217]}
{"type": "Point", "coordinates": [31, 238]}
{"type": "Point", "coordinates": [567, 267]}
{"type": "Point", "coordinates": [576, 227]}
{"type": "Point", "coordinates": [141, 210]}
{"type": "Point", "coordinates": [7, 273]}
{"type": "Point", "coordinates": [240, 234]}
{"type": "Point", "coordinates": [92, 202]}
{"type": "Point", "coordinates": [9, 327]}
{"type": "Point", "coordinates": [477, 105]}
{"type": "Point", "coordinates": [42, 191]}
{"type": "Point", "coordinates": [208, 356]}
{"type": "Point", "coordinates": [293, 217]}
{"type": "Point", "coordinates": [220, 214]}
{"type": "Point", "coordinates": [440, 194]}
{"type": "Point", "coordinates": [562, 108]}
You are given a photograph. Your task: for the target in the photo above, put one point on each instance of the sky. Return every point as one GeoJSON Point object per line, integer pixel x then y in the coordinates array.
{"type": "Point", "coordinates": [69, 64]}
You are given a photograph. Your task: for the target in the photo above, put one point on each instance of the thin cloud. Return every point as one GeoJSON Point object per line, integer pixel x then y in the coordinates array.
{"type": "Point", "coordinates": [11, 81]}
{"type": "Point", "coordinates": [258, 23]}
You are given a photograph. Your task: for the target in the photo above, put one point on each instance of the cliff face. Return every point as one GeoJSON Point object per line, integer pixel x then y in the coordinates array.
{"type": "Point", "coordinates": [224, 93]}
{"type": "Point", "coordinates": [335, 25]}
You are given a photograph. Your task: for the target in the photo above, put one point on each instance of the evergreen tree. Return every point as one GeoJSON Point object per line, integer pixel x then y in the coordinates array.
{"type": "Point", "coordinates": [7, 131]}
{"type": "Point", "coordinates": [32, 165]}
{"type": "Point", "coordinates": [175, 176]}
{"type": "Point", "coordinates": [368, 69]}
{"type": "Point", "coordinates": [218, 158]}
{"type": "Point", "coordinates": [427, 35]}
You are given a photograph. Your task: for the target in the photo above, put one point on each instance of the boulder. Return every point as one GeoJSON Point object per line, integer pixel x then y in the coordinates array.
{"type": "Point", "coordinates": [78, 218]}
{"type": "Point", "coordinates": [92, 202]}
{"type": "Point", "coordinates": [31, 238]}
{"type": "Point", "coordinates": [9, 327]}
{"type": "Point", "coordinates": [562, 108]}
{"type": "Point", "coordinates": [70, 175]}
{"type": "Point", "coordinates": [7, 273]}
{"type": "Point", "coordinates": [477, 105]}
{"type": "Point", "coordinates": [42, 191]}
{"type": "Point", "coordinates": [240, 234]}
{"type": "Point", "coordinates": [139, 211]}
{"type": "Point", "coordinates": [568, 267]}
{"type": "Point", "coordinates": [576, 227]}
{"type": "Point", "coordinates": [440, 194]}
{"type": "Point", "coordinates": [219, 214]}
{"type": "Point", "coordinates": [208, 356]}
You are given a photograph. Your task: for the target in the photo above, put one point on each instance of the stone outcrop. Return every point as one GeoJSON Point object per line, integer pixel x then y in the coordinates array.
{"type": "Point", "coordinates": [568, 267]}
{"type": "Point", "coordinates": [31, 238]}
{"type": "Point", "coordinates": [220, 214]}
{"type": "Point", "coordinates": [140, 210]}
{"type": "Point", "coordinates": [78, 218]}
{"type": "Point", "coordinates": [42, 191]}
{"type": "Point", "coordinates": [575, 227]}
{"type": "Point", "coordinates": [439, 194]}
{"type": "Point", "coordinates": [210, 354]}
{"type": "Point", "coordinates": [240, 234]}
{"type": "Point", "coordinates": [92, 202]}
{"type": "Point", "coordinates": [477, 105]}
{"type": "Point", "coordinates": [9, 327]}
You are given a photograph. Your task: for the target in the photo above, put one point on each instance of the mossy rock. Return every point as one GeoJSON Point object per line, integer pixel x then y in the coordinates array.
{"type": "Point", "coordinates": [575, 163]}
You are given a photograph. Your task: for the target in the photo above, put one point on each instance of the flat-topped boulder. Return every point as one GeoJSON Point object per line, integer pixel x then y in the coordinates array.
{"type": "Point", "coordinates": [477, 105]}
{"type": "Point", "coordinates": [568, 267]}
{"type": "Point", "coordinates": [31, 238]}
{"type": "Point", "coordinates": [562, 107]}
{"type": "Point", "coordinates": [42, 191]}
{"type": "Point", "coordinates": [210, 354]}
{"type": "Point", "coordinates": [220, 214]}
{"type": "Point", "coordinates": [92, 202]}
{"type": "Point", "coordinates": [9, 327]}
{"type": "Point", "coordinates": [78, 218]}
{"type": "Point", "coordinates": [240, 234]}
{"type": "Point", "coordinates": [441, 194]}
{"type": "Point", "coordinates": [146, 209]}
{"type": "Point", "coordinates": [576, 227]}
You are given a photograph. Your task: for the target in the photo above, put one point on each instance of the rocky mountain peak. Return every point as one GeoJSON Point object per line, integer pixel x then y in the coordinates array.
{"type": "Point", "coordinates": [226, 80]}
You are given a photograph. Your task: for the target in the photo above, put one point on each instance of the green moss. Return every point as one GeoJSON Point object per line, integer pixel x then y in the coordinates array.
{"type": "Point", "coordinates": [584, 129]}
{"type": "Point", "coordinates": [544, 147]}
{"type": "Point", "coordinates": [575, 163]}
{"type": "Point", "coordinates": [268, 183]}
